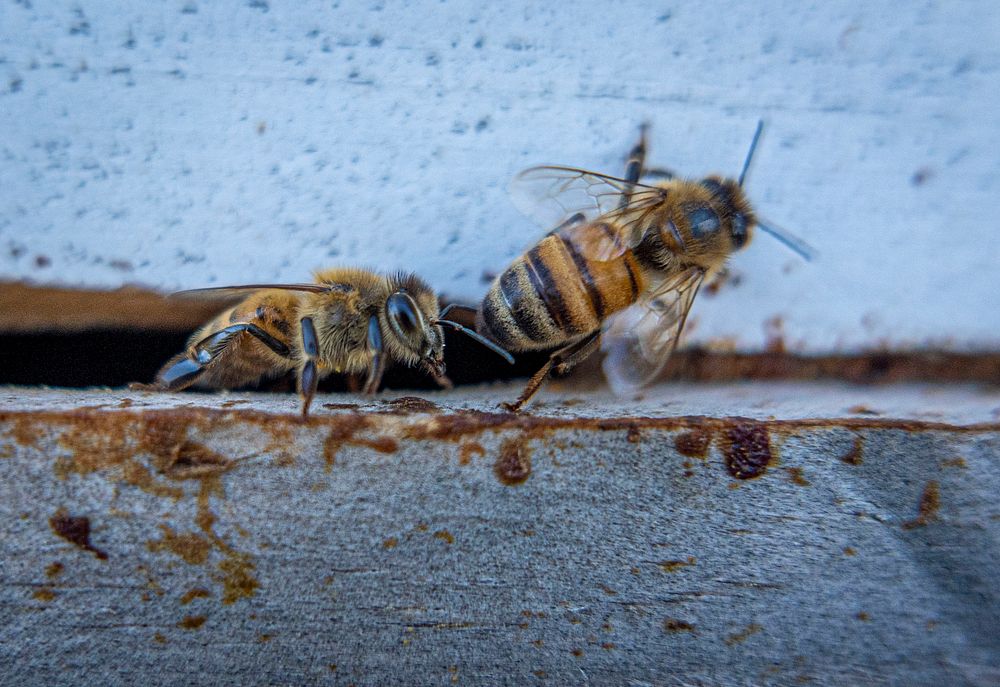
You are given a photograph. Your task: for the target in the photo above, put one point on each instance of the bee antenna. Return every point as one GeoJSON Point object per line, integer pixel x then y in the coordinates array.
{"type": "Point", "coordinates": [478, 337]}
{"type": "Point", "coordinates": [796, 244]}
{"type": "Point", "coordinates": [753, 146]}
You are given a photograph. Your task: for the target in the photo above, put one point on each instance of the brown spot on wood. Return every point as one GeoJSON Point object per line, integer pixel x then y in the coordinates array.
{"type": "Point", "coordinates": [746, 449]}
{"type": "Point", "coordinates": [264, 637]}
{"type": "Point", "coordinates": [75, 530]}
{"type": "Point", "coordinates": [742, 635]}
{"type": "Point", "coordinates": [693, 443]}
{"type": "Point", "coordinates": [578, 652]}
{"type": "Point", "coordinates": [634, 435]}
{"type": "Point", "coordinates": [190, 547]}
{"type": "Point", "coordinates": [468, 450]}
{"type": "Point", "coordinates": [54, 569]}
{"type": "Point", "coordinates": [607, 646]}
{"type": "Point", "coordinates": [513, 465]}
{"type": "Point", "coordinates": [26, 431]}
{"type": "Point", "coordinates": [445, 536]}
{"type": "Point", "coordinates": [774, 335]}
{"type": "Point", "coordinates": [390, 543]}
{"type": "Point", "coordinates": [195, 593]}
{"type": "Point", "coordinates": [674, 566]}
{"type": "Point", "coordinates": [956, 462]}
{"type": "Point", "coordinates": [159, 638]}
{"type": "Point", "coordinates": [675, 625]}
{"type": "Point", "coordinates": [191, 460]}
{"type": "Point", "coordinates": [797, 476]}
{"type": "Point", "coordinates": [237, 578]}
{"type": "Point", "coordinates": [44, 594]}
{"type": "Point", "coordinates": [341, 406]}
{"type": "Point", "coordinates": [192, 622]}
{"type": "Point", "coordinates": [849, 551]}
{"type": "Point", "coordinates": [930, 502]}
{"type": "Point", "coordinates": [863, 616]}
{"type": "Point", "coordinates": [862, 410]}
{"type": "Point", "coordinates": [854, 456]}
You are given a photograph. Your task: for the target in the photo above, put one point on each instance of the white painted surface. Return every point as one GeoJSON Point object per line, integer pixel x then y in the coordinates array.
{"type": "Point", "coordinates": [189, 143]}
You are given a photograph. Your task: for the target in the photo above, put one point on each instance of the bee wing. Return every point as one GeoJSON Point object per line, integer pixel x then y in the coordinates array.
{"type": "Point", "coordinates": [550, 195]}
{"type": "Point", "coordinates": [237, 291]}
{"type": "Point", "coordinates": [638, 340]}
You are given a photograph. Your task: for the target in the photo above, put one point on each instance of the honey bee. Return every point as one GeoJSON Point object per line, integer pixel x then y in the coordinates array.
{"type": "Point", "coordinates": [349, 321]}
{"type": "Point", "coordinates": [621, 269]}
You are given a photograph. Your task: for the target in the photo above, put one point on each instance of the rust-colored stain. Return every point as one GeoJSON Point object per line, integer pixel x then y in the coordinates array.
{"type": "Point", "coordinates": [44, 594]}
{"type": "Point", "coordinates": [191, 547]}
{"type": "Point", "coordinates": [607, 646]}
{"type": "Point", "coordinates": [191, 622]}
{"type": "Point", "coordinates": [674, 566]}
{"type": "Point", "coordinates": [390, 543]}
{"type": "Point", "coordinates": [159, 638]}
{"type": "Point", "coordinates": [343, 432]}
{"type": "Point", "coordinates": [855, 455]}
{"type": "Point", "coordinates": [469, 449]}
{"type": "Point", "coordinates": [54, 569]}
{"type": "Point", "coordinates": [191, 460]}
{"type": "Point", "coordinates": [956, 462]}
{"type": "Point", "coordinates": [797, 476]}
{"type": "Point", "coordinates": [930, 503]}
{"type": "Point", "coordinates": [774, 335]}
{"type": "Point", "coordinates": [693, 443]}
{"type": "Point", "coordinates": [195, 593]}
{"type": "Point", "coordinates": [262, 637]}
{"type": "Point", "coordinates": [746, 449]}
{"type": "Point", "coordinates": [237, 578]}
{"type": "Point", "coordinates": [445, 536]}
{"type": "Point", "coordinates": [75, 530]}
{"type": "Point", "coordinates": [861, 409]}
{"type": "Point", "coordinates": [675, 625]}
{"type": "Point", "coordinates": [578, 652]}
{"type": "Point", "coordinates": [863, 616]}
{"type": "Point", "coordinates": [850, 551]}
{"type": "Point", "coordinates": [633, 435]}
{"type": "Point", "coordinates": [744, 634]}
{"type": "Point", "coordinates": [26, 431]}
{"type": "Point", "coordinates": [513, 465]}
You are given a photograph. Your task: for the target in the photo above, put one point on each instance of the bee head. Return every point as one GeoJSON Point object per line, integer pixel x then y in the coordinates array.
{"type": "Point", "coordinates": [409, 332]}
{"type": "Point", "coordinates": [727, 217]}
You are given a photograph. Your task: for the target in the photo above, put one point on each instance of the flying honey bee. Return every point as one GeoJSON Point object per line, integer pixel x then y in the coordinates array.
{"type": "Point", "coordinates": [620, 270]}
{"type": "Point", "coordinates": [349, 321]}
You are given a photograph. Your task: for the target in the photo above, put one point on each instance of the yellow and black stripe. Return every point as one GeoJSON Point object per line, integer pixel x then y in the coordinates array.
{"type": "Point", "coordinates": [556, 292]}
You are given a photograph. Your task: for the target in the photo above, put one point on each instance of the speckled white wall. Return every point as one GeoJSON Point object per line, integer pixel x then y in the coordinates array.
{"type": "Point", "coordinates": [190, 143]}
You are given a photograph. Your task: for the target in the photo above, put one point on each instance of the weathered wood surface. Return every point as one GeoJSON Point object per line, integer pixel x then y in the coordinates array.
{"type": "Point", "coordinates": [231, 543]}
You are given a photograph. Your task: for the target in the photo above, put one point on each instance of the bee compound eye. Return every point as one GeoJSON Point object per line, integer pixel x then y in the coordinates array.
{"type": "Point", "coordinates": [402, 314]}
{"type": "Point", "coordinates": [739, 233]}
{"type": "Point", "coordinates": [703, 221]}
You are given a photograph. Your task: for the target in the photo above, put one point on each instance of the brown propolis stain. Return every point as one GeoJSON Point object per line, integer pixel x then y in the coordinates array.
{"type": "Point", "coordinates": [237, 578]}
{"type": "Point", "coordinates": [190, 547]}
{"type": "Point", "coordinates": [26, 431]}
{"type": "Point", "coordinates": [195, 593]}
{"type": "Point", "coordinates": [863, 616]}
{"type": "Point", "coordinates": [44, 594]}
{"type": "Point", "coordinates": [746, 448]}
{"type": "Point", "coordinates": [469, 449]}
{"type": "Point", "coordinates": [405, 405]}
{"type": "Point", "coordinates": [850, 551]}
{"type": "Point", "coordinates": [930, 502]}
{"type": "Point", "coordinates": [445, 536]}
{"type": "Point", "coordinates": [159, 638]}
{"type": "Point", "coordinates": [956, 462]}
{"type": "Point", "coordinates": [54, 569]}
{"type": "Point", "coordinates": [797, 476]}
{"type": "Point", "coordinates": [674, 566]}
{"type": "Point", "coordinates": [742, 635]}
{"type": "Point", "coordinates": [633, 435]}
{"type": "Point", "coordinates": [76, 530]}
{"type": "Point", "coordinates": [513, 465]}
{"type": "Point", "coordinates": [343, 432]}
{"type": "Point", "coordinates": [192, 622]}
{"type": "Point", "coordinates": [675, 625]}
{"type": "Point", "coordinates": [693, 443]}
{"type": "Point", "coordinates": [191, 460]}
{"type": "Point", "coordinates": [854, 456]}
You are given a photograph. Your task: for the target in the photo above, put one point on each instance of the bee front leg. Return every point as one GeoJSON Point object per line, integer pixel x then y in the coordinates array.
{"type": "Point", "coordinates": [561, 362]}
{"type": "Point", "coordinates": [378, 360]}
{"type": "Point", "coordinates": [308, 374]}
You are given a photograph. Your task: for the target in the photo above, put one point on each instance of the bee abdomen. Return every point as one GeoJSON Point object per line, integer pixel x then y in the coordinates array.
{"type": "Point", "coordinates": [553, 294]}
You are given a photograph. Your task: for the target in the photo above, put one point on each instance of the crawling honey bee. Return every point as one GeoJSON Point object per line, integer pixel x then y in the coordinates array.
{"type": "Point", "coordinates": [349, 321]}
{"type": "Point", "coordinates": [622, 268]}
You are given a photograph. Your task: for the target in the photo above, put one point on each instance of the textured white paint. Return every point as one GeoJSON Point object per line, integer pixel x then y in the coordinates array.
{"type": "Point", "coordinates": [189, 143]}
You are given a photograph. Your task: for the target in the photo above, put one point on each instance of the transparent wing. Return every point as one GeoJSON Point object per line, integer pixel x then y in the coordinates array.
{"type": "Point", "coordinates": [550, 195]}
{"type": "Point", "coordinates": [638, 341]}
{"type": "Point", "coordinates": [243, 289]}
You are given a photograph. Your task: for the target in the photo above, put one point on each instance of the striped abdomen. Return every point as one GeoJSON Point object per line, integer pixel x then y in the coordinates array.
{"type": "Point", "coordinates": [554, 293]}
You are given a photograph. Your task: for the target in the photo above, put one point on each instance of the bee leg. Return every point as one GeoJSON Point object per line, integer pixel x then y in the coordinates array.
{"type": "Point", "coordinates": [308, 375]}
{"type": "Point", "coordinates": [455, 306]}
{"type": "Point", "coordinates": [378, 361]}
{"type": "Point", "coordinates": [184, 369]}
{"type": "Point", "coordinates": [441, 379]}
{"type": "Point", "coordinates": [634, 165]}
{"type": "Point", "coordinates": [561, 361]}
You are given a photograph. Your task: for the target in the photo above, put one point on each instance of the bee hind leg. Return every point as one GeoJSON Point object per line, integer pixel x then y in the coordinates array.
{"type": "Point", "coordinates": [560, 362]}
{"type": "Point", "coordinates": [308, 377]}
